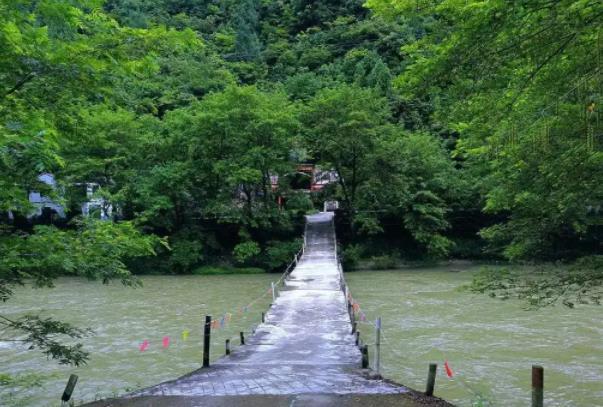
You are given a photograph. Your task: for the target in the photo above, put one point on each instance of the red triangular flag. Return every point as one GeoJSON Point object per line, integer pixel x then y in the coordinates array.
{"type": "Point", "coordinates": [449, 371]}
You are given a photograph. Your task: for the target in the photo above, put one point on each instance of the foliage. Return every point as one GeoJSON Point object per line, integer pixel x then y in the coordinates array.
{"type": "Point", "coordinates": [521, 87]}
{"type": "Point", "coordinates": [342, 125]}
{"type": "Point", "coordinates": [546, 285]}
{"type": "Point", "coordinates": [485, 126]}
{"type": "Point", "coordinates": [279, 254]}
{"type": "Point", "coordinates": [245, 251]}
{"type": "Point", "coordinates": [42, 333]}
{"type": "Point", "coordinates": [350, 256]}
{"type": "Point", "coordinates": [384, 262]}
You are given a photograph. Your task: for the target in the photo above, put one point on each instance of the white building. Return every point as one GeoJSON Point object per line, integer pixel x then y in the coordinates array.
{"type": "Point", "coordinates": [92, 204]}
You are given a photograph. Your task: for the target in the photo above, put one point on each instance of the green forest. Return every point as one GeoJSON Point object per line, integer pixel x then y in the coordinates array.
{"type": "Point", "coordinates": [456, 130]}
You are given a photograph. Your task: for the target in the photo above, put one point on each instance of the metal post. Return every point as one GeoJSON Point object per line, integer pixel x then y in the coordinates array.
{"type": "Point", "coordinates": [537, 386]}
{"type": "Point", "coordinates": [365, 356]}
{"type": "Point", "coordinates": [378, 345]}
{"type": "Point", "coordinates": [263, 317]}
{"type": "Point", "coordinates": [228, 346]}
{"type": "Point", "coordinates": [206, 340]}
{"type": "Point", "coordinates": [354, 327]}
{"type": "Point", "coordinates": [431, 376]}
{"type": "Point", "coordinates": [69, 388]}
{"type": "Point", "coordinates": [242, 335]}
{"type": "Point", "coordinates": [273, 292]}
{"type": "Point", "coordinates": [357, 338]}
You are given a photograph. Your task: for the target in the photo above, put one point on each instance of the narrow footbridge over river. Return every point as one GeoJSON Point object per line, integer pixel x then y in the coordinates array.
{"type": "Point", "coordinates": [303, 354]}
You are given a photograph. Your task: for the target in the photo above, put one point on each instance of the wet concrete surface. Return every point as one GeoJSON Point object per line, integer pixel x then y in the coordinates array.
{"type": "Point", "coordinates": [299, 400]}
{"type": "Point", "coordinates": [304, 353]}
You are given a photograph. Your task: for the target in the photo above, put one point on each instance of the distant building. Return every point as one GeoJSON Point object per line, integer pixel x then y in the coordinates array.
{"type": "Point", "coordinates": [95, 204]}
{"type": "Point", "coordinates": [42, 203]}
{"type": "Point", "coordinates": [307, 177]}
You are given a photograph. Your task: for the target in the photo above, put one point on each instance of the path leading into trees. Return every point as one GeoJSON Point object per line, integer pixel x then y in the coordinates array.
{"type": "Point", "coordinates": [304, 353]}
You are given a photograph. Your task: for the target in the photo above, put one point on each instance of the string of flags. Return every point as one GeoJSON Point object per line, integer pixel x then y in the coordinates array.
{"type": "Point", "coordinates": [362, 317]}
{"type": "Point", "coordinates": [218, 323]}
{"type": "Point", "coordinates": [356, 308]}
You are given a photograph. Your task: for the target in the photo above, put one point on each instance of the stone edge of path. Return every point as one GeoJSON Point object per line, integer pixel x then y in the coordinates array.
{"type": "Point", "coordinates": [409, 399]}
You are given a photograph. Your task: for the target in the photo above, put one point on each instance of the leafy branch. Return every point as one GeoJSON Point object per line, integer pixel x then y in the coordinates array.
{"type": "Point", "coordinates": [45, 334]}
{"type": "Point", "coordinates": [581, 283]}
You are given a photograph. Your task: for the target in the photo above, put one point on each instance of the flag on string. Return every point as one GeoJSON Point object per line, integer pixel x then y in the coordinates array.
{"type": "Point", "coordinates": [449, 371]}
{"type": "Point", "coordinates": [222, 322]}
{"type": "Point", "coordinates": [185, 334]}
{"type": "Point", "coordinates": [228, 316]}
{"type": "Point", "coordinates": [166, 342]}
{"type": "Point", "coordinates": [144, 345]}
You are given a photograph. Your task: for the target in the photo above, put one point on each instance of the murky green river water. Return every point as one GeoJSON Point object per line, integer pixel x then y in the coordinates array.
{"type": "Point", "coordinates": [490, 344]}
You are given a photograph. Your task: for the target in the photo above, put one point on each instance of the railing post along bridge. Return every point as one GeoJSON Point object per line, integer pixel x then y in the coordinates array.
{"type": "Point", "coordinates": [307, 343]}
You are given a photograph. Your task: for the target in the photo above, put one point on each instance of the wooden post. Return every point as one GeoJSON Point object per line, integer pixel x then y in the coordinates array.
{"type": "Point", "coordinates": [357, 338]}
{"type": "Point", "coordinates": [431, 376]}
{"type": "Point", "coordinates": [206, 340]}
{"type": "Point", "coordinates": [537, 386]}
{"type": "Point", "coordinates": [69, 388]}
{"type": "Point", "coordinates": [263, 317]}
{"type": "Point", "coordinates": [228, 346]}
{"type": "Point", "coordinates": [365, 356]}
{"type": "Point", "coordinates": [242, 335]}
{"type": "Point", "coordinates": [378, 345]}
{"type": "Point", "coordinates": [273, 292]}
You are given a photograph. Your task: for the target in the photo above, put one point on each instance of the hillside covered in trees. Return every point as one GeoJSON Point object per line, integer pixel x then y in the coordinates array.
{"type": "Point", "coordinates": [457, 129]}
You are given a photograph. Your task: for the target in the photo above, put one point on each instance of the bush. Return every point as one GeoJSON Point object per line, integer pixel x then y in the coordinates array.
{"type": "Point", "coordinates": [246, 251]}
{"type": "Point", "coordinates": [185, 255]}
{"type": "Point", "coordinates": [351, 256]}
{"type": "Point", "coordinates": [279, 253]}
{"type": "Point", "coordinates": [384, 262]}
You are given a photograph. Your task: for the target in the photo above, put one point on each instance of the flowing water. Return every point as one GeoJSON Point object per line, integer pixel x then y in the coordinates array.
{"type": "Point", "coordinates": [122, 319]}
{"type": "Point", "coordinates": [490, 344]}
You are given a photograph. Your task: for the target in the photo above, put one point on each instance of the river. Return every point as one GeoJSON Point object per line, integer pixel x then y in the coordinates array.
{"type": "Point", "coordinates": [490, 344]}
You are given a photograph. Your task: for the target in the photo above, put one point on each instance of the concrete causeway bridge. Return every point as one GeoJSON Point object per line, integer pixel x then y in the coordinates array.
{"type": "Point", "coordinates": [303, 354]}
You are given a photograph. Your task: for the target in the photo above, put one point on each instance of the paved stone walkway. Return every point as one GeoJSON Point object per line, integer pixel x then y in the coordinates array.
{"type": "Point", "coordinates": [304, 347]}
